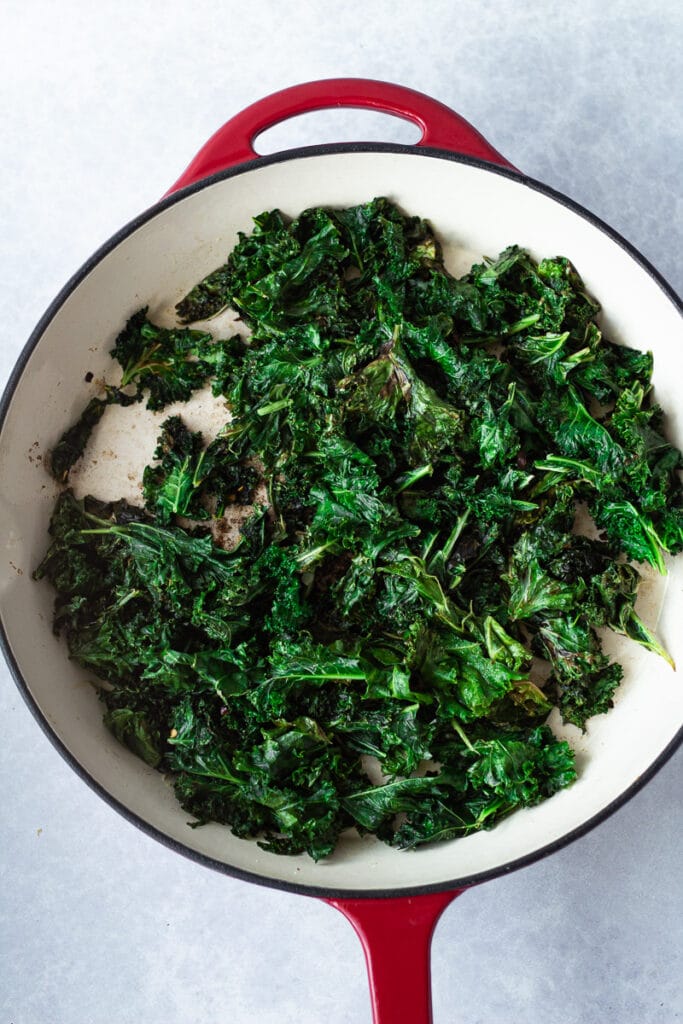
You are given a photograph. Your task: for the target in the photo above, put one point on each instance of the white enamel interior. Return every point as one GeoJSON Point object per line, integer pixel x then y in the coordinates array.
{"type": "Point", "coordinates": [475, 212]}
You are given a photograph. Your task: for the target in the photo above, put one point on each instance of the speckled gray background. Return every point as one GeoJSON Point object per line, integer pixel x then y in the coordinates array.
{"type": "Point", "coordinates": [101, 107]}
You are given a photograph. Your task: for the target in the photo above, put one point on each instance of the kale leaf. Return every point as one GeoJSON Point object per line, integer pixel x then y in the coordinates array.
{"type": "Point", "coordinates": [191, 480]}
{"type": "Point", "coordinates": [167, 363]}
{"type": "Point", "coordinates": [71, 444]}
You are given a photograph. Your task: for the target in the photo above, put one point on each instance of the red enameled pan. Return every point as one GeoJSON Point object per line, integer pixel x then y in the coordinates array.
{"type": "Point", "coordinates": [478, 204]}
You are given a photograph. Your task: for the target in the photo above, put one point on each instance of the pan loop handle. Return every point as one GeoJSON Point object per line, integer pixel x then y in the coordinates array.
{"type": "Point", "coordinates": [396, 935]}
{"type": "Point", "coordinates": [441, 127]}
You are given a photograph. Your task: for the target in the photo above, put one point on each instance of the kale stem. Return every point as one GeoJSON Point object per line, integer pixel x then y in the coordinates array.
{"type": "Point", "coordinates": [457, 530]}
{"type": "Point", "coordinates": [461, 733]}
{"type": "Point", "coordinates": [527, 321]}
{"type": "Point", "coordinates": [274, 407]}
{"type": "Point", "coordinates": [412, 477]}
{"type": "Point", "coordinates": [144, 362]}
{"type": "Point", "coordinates": [310, 556]}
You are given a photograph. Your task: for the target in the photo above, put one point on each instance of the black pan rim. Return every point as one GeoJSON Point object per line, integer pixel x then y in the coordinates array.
{"type": "Point", "coordinates": [5, 402]}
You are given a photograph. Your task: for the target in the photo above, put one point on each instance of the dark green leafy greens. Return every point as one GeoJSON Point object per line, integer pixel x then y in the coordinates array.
{"type": "Point", "coordinates": [167, 365]}
{"type": "Point", "coordinates": [71, 444]}
{"type": "Point", "coordinates": [414, 596]}
{"type": "Point", "coordinates": [191, 480]}
{"type": "Point", "coordinates": [73, 441]}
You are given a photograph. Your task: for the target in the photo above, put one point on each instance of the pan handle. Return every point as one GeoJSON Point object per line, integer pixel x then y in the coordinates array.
{"type": "Point", "coordinates": [441, 127]}
{"type": "Point", "coordinates": [396, 935]}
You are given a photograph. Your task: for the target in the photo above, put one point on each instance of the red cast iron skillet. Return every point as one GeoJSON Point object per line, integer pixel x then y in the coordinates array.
{"type": "Point", "coordinates": [479, 203]}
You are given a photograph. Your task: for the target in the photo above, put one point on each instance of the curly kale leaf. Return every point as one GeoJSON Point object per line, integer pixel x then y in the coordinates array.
{"type": "Point", "coordinates": [191, 480]}
{"type": "Point", "coordinates": [167, 363]}
{"type": "Point", "coordinates": [71, 445]}
{"type": "Point", "coordinates": [496, 775]}
{"type": "Point", "coordinates": [278, 277]}
{"type": "Point", "coordinates": [170, 487]}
